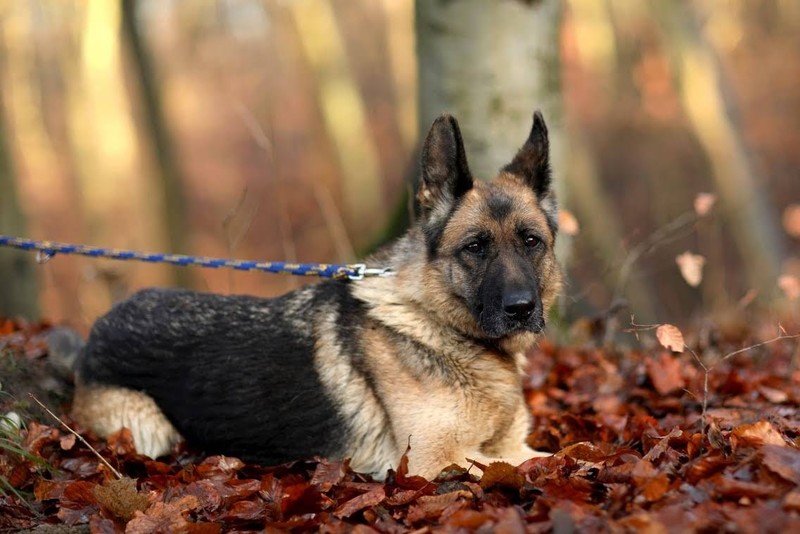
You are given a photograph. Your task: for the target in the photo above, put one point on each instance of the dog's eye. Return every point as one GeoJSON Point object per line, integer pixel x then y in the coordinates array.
{"type": "Point", "coordinates": [475, 247]}
{"type": "Point", "coordinates": [531, 241]}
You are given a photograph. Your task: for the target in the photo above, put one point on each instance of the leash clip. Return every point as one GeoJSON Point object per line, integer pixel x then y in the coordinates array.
{"type": "Point", "coordinates": [360, 271]}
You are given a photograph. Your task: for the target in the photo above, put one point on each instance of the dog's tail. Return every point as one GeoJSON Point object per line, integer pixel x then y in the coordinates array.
{"type": "Point", "coordinates": [65, 347]}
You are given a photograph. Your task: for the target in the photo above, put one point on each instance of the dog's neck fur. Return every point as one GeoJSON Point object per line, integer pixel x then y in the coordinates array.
{"type": "Point", "coordinates": [393, 303]}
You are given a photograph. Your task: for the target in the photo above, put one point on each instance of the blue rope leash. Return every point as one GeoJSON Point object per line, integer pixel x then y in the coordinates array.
{"type": "Point", "coordinates": [48, 249]}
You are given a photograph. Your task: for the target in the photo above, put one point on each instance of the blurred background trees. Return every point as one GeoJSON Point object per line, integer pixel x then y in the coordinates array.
{"type": "Point", "coordinates": [267, 129]}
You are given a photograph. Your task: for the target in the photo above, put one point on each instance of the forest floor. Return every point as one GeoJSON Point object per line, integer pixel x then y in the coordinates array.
{"type": "Point", "coordinates": [644, 440]}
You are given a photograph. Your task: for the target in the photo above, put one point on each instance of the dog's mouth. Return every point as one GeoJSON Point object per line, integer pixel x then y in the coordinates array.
{"type": "Point", "coordinates": [496, 324]}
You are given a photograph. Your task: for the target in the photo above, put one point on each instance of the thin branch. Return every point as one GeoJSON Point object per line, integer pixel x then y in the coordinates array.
{"type": "Point", "coordinates": [708, 368]}
{"type": "Point", "coordinates": [65, 425]}
{"type": "Point", "coordinates": [658, 237]}
{"type": "Point", "coordinates": [778, 338]}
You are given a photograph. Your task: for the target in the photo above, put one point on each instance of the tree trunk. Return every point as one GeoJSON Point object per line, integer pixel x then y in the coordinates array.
{"type": "Point", "coordinates": [713, 117]}
{"type": "Point", "coordinates": [156, 131]}
{"type": "Point", "coordinates": [18, 283]}
{"type": "Point", "coordinates": [490, 64]}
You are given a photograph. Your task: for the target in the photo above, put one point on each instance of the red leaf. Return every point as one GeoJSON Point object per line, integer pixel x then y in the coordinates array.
{"type": "Point", "coordinates": [665, 373]}
{"type": "Point", "coordinates": [219, 467]}
{"type": "Point", "coordinates": [469, 520]}
{"type": "Point", "coordinates": [77, 503]}
{"type": "Point", "coordinates": [756, 434]}
{"type": "Point", "coordinates": [163, 517]}
{"type": "Point", "coordinates": [783, 461]}
{"type": "Point", "coordinates": [583, 451]}
{"type": "Point", "coordinates": [365, 500]}
{"type": "Point", "coordinates": [121, 442]}
{"type": "Point", "coordinates": [45, 490]}
{"type": "Point", "coordinates": [328, 474]}
{"type": "Point", "coordinates": [502, 474]}
{"type": "Point", "coordinates": [792, 501]}
{"type": "Point", "coordinates": [656, 487]}
{"type": "Point", "coordinates": [432, 506]}
{"type": "Point", "coordinates": [401, 477]}
{"type": "Point", "coordinates": [245, 510]}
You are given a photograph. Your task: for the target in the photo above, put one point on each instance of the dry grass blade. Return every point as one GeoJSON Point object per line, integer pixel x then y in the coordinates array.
{"type": "Point", "coordinates": [65, 425]}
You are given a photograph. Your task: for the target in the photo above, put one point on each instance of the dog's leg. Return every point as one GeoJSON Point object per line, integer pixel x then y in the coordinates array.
{"type": "Point", "coordinates": [511, 447]}
{"type": "Point", "coordinates": [106, 409]}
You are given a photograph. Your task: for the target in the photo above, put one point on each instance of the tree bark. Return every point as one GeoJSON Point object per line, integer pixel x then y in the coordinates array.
{"type": "Point", "coordinates": [157, 132]}
{"type": "Point", "coordinates": [490, 64]}
{"type": "Point", "coordinates": [18, 283]}
{"type": "Point", "coordinates": [714, 119]}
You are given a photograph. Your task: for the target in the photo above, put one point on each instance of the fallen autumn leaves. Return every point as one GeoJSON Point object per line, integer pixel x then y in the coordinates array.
{"type": "Point", "coordinates": [630, 455]}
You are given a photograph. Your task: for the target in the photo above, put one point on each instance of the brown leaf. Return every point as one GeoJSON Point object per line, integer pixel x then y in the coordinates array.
{"type": "Point", "coordinates": [163, 517]}
{"type": "Point", "coordinates": [791, 220]}
{"type": "Point", "coordinates": [783, 461]}
{"type": "Point", "coordinates": [121, 498]}
{"type": "Point", "coordinates": [727, 487]}
{"type": "Point", "coordinates": [402, 497]}
{"type": "Point", "coordinates": [121, 442]}
{"type": "Point", "coordinates": [219, 467]}
{"type": "Point", "coordinates": [401, 476]}
{"type": "Point", "coordinates": [245, 511]}
{"type": "Point", "coordinates": [662, 445]}
{"type": "Point", "coordinates": [469, 520]}
{"type": "Point", "coordinates": [207, 494]}
{"type": "Point", "coordinates": [67, 442]}
{"type": "Point", "coordinates": [19, 476]}
{"type": "Point", "coordinates": [502, 474]}
{"type": "Point", "coordinates": [655, 488]}
{"type": "Point", "coordinates": [328, 474]}
{"type": "Point", "coordinates": [706, 467]}
{"type": "Point", "coordinates": [691, 267]}
{"type": "Point", "coordinates": [432, 506]}
{"type": "Point", "coordinates": [665, 373]}
{"type": "Point", "coordinates": [773, 395]}
{"type": "Point", "coordinates": [756, 434]}
{"type": "Point", "coordinates": [365, 500]}
{"type": "Point", "coordinates": [670, 337]}
{"type": "Point", "coordinates": [583, 450]}
{"type": "Point", "coordinates": [567, 223]}
{"type": "Point", "coordinates": [791, 501]}
{"type": "Point", "coordinates": [703, 203]}
{"type": "Point", "coordinates": [790, 285]}
{"type": "Point", "coordinates": [39, 436]}
{"type": "Point", "coordinates": [45, 489]}
{"type": "Point", "coordinates": [102, 525]}
{"type": "Point", "coordinates": [77, 503]}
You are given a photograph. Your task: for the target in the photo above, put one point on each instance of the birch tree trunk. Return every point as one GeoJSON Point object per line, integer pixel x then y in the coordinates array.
{"type": "Point", "coordinates": [490, 64]}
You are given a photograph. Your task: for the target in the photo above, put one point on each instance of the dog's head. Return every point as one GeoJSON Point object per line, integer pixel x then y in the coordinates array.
{"type": "Point", "coordinates": [490, 245]}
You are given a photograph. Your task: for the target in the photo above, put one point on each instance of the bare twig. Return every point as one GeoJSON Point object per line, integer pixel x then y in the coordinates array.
{"type": "Point", "coordinates": [640, 327]}
{"type": "Point", "coordinates": [65, 425]}
{"type": "Point", "coordinates": [660, 236]}
{"type": "Point", "coordinates": [777, 338]}
{"type": "Point", "coordinates": [708, 368]}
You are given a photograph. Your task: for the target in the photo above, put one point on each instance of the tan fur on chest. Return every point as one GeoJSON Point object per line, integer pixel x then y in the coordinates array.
{"type": "Point", "coordinates": [463, 404]}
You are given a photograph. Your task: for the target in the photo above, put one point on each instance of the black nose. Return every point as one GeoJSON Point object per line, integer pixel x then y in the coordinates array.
{"type": "Point", "coordinates": [519, 306]}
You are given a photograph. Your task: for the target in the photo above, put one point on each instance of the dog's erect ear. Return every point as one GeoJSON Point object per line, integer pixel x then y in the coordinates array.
{"type": "Point", "coordinates": [532, 162]}
{"type": "Point", "coordinates": [445, 174]}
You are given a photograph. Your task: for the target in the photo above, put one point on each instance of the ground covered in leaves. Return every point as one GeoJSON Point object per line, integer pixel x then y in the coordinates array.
{"type": "Point", "coordinates": [635, 450]}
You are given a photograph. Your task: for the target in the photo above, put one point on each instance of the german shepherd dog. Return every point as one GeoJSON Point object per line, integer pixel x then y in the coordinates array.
{"type": "Point", "coordinates": [432, 356]}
